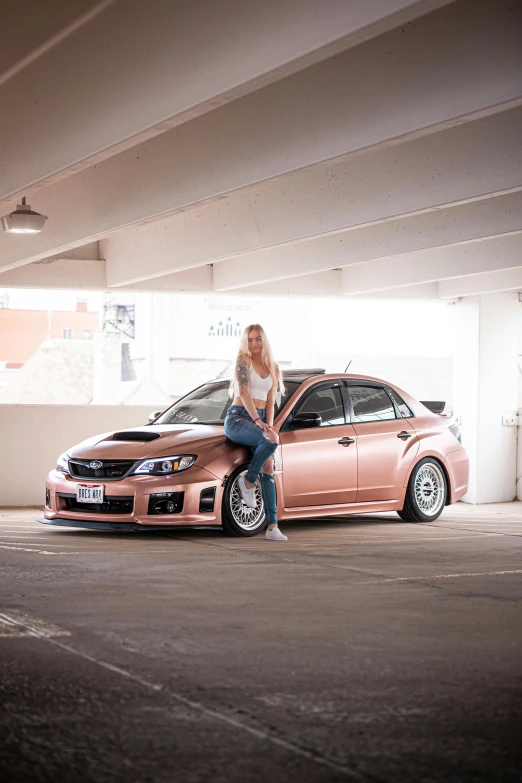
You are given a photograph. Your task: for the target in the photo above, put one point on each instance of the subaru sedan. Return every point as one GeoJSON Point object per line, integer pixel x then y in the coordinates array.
{"type": "Point", "coordinates": [348, 445]}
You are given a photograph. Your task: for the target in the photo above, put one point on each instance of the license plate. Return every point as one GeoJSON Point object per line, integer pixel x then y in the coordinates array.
{"type": "Point", "coordinates": [89, 493]}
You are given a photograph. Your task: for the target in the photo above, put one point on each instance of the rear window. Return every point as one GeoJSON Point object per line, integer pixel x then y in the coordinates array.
{"type": "Point", "coordinates": [404, 410]}
{"type": "Point", "coordinates": [370, 403]}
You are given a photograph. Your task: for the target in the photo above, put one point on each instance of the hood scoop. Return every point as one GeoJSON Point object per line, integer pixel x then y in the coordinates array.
{"type": "Point", "coordinates": [138, 436]}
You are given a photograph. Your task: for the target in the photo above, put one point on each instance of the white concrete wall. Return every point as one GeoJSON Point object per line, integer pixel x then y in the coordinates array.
{"type": "Point", "coordinates": [33, 436]}
{"type": "Point", "coordinates": [485, 389]}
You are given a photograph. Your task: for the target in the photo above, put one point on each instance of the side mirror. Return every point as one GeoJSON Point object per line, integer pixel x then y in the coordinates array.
{"type": "Point", "coordinates": [154, 416]}
{"type": "Point", "coordinates": [304, 421]}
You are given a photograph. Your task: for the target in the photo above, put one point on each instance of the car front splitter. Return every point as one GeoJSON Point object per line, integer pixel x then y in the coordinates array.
{"type": "Point", "coordinates": [128, 526]}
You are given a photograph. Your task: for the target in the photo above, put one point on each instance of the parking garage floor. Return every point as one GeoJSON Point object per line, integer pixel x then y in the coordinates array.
{"type": "Point", "coordinates": [364, 649]}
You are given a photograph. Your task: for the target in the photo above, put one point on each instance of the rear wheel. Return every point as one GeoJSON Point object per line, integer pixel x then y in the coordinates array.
{"type": "Point", "coordinates": [238, 519]}
{"type": "Point", "coordinates": [426, 494]}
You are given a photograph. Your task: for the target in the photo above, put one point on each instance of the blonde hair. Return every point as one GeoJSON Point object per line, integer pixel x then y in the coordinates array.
{"type": "Point", "coordinates": [267, 356]}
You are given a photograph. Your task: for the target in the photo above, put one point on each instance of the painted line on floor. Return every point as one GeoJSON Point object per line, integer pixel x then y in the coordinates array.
{"type": "Point", "coordinates": [35, 551]}
{"type": "Point", "coordinates": [86, 552]}
{"type": "Point", "coordinates": [460, 528]}
{"type": "Point", "coordinates": [263, 735]}
{"type": "Point", "coordinates": [459, 524]}
{"type": "Point", "coordinates": [440, 576]}
{"type": "Point", "coordinates": [16, 623]}
{"type": "Point", "coordinates": [31, 626]}
{"type": "Point", "coordinates": [330, 544]}
{"type": "Point", "coordinates": [39, 543]}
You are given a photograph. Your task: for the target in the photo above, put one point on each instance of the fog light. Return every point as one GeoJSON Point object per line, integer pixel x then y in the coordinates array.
{"type": "Point", "coordinates": [166, 503]}
{"type": "Point", "coordinates": [48, 497]}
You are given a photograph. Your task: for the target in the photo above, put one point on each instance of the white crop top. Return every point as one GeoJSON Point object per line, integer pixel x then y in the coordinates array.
{"type": "Point", "coordinates": [259, 387]}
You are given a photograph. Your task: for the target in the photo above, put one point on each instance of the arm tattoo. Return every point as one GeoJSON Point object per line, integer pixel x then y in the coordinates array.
{"type": "Point", "coordinates": [241, 371]}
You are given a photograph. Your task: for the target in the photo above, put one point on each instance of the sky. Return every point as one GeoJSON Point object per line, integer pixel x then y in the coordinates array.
{"type": "Point", "coordinates": [38, 299]}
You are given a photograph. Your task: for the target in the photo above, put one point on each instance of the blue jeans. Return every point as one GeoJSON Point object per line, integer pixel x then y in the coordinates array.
{"type": "Point", "coordinates": [240, 428]}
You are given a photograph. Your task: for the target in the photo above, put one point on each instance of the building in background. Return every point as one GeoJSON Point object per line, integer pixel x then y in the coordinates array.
{"type": "Point", "coordinates": [121, 348]}
{"type": "Point", "coordinates": [46, 355]}
{"type": "Point", "coordinates": [23, 331]}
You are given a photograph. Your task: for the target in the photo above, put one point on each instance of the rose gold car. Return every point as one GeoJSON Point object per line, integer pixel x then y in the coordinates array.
{"type": "Point", "coordinates": [349, 445]}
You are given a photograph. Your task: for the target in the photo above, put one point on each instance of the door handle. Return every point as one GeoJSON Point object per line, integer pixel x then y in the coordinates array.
{"type": "Point", "coordinates": [404, 435]}
{"type": "Point", "coordinates": [346, 441]}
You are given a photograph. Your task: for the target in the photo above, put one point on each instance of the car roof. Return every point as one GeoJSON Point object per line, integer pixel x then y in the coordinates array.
{"type": "Point", "coordinates": [308, 374]}
{"type": "Point", "coordinates": [302, 375]}
{"type": "Point", "coordinates": [298, 376]}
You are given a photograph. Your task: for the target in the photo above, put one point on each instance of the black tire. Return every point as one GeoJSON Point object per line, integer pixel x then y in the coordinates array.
{"type": "Point", "coordinates": [233, 510]}
{"type": "Point", "coordinates": [426, 493]}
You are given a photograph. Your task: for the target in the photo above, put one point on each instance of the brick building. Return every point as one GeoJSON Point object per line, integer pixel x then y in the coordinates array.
{"type": "Point", "coordinates": [22, 332]}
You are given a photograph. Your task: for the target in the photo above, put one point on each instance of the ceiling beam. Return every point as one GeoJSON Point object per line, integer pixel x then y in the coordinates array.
{"type": "Point", "coordinates": [198, 280]}
{"type": "Point", "coordinates": [424, 291]}
{"type": "Point", "coordinates": [32, 28]}
{"type": "Point", "coordinates": [89, 275]}
{"type": "Point", "coordinates": [321, 284]}
{"type": "Point", "coordinates": [484, 283]}
{"type": "Point", "coordinates": [139, 69]}
{"type": "Point", "coordinates": [460, 164]}
{"type": "Point", "coordinates": [427, 266]}
{"type": "Point", "coordinates": [63, 273]}
{"type": "Point", "coordinates": [440, 228]}
{"type": "Point", "coordinates": [318, 115]}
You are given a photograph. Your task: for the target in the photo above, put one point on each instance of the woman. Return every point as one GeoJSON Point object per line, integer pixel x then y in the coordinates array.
{"type": "Point", "coordinates": [250, 418]}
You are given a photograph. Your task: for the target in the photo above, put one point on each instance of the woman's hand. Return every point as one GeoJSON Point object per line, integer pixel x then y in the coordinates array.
{"type": "Point", "coordinates": [261, 423]}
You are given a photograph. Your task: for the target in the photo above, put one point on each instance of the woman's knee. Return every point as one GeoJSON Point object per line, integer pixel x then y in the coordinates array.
{"type": "Point", "coordinates": [272, 436]}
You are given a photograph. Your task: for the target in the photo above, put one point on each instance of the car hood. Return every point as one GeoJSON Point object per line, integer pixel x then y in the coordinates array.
{"type": "Point", "coordinates": [173, 439]}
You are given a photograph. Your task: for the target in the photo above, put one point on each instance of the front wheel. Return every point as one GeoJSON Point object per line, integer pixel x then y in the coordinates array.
{"type": "Point", "coordinates": [238, 519]}
{"type": "Point", "coordinates": [426, 494]}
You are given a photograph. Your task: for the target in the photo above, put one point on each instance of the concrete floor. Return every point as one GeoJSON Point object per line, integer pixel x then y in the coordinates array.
{"type": "Point", "coordinates": [364, 649]}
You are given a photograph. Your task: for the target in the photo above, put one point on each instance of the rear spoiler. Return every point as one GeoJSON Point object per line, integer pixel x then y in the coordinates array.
{"type": "Point", "coordinates": [435, 406]}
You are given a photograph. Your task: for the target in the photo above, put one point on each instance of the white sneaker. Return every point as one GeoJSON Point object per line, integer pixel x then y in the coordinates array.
{"type": "Point", "coordinates": [247, 493]}
{"type": "Point", "coordinates": [275, 535]}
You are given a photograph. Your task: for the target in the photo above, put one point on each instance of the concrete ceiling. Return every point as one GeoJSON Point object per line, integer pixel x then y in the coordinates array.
{"type": "Point", "coordinates": [297, 147]}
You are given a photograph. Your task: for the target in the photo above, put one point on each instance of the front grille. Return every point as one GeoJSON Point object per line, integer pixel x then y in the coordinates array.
{"type": "Point", "coordinates": [110, 471]}
{"type": "Point", "coordinates": [119, 504]}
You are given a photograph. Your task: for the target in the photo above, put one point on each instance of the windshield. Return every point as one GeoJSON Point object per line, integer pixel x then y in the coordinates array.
{"type": "Point", "coordinates": [209, 405]}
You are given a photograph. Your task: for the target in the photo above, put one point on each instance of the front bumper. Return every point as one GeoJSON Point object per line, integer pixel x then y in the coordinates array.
{"type": "Point", "coordinates": [190, 482]}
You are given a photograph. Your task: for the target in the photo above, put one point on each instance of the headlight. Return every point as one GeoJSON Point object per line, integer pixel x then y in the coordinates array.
{"type": "Point", "coordinates": [62, 463]}
{"type": "Point", "coordinates": [164, 466]}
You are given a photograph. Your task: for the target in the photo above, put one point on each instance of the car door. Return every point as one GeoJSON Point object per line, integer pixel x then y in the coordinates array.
{"type": "Point", "coordinates": [386, 444]}
{"type": "Point", "coordinates": [320, 463]}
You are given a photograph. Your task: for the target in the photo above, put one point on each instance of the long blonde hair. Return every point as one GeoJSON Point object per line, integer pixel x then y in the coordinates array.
{"type": "Point", "coordinates": [267, 356]}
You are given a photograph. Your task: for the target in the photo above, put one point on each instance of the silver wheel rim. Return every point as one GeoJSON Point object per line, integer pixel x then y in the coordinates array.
{"type": "Point", "coordinates": [429, 489]}
{"type": "Point", "coordinates": [246, 518]}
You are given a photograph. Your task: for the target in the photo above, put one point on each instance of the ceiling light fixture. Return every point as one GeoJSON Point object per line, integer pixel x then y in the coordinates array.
{"type": "Point", "coordinates": [23, 220]}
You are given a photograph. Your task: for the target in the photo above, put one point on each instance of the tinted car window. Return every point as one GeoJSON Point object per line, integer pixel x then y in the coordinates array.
{"type": "Point", "coordinates": [290, 388]}
{"type": "Point", "coordinates": [327, 403]}
{"type": "Point", "coordinates": [209, 405]}
{"type": "Point", "coordinates": [206, 405]}
{"type": "Point", "coordinates": [404, 410]}
{"type": "Point", "coordinates": [370, 403]}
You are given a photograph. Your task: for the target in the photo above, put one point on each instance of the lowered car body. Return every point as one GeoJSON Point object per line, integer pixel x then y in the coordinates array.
{"type": "Point", "coordinates": [348, 445]}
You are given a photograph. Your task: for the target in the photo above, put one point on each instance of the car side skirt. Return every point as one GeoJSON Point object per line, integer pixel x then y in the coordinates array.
{"type": "Point", "coordinates": [343, 510]}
